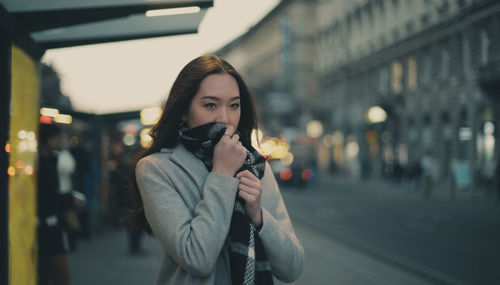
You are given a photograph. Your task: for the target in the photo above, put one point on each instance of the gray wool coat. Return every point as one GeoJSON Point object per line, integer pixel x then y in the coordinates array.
{"type": "Point", "coordinates": [190, 209]}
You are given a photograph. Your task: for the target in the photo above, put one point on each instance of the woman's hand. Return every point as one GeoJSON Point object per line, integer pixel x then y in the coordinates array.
{"type": "Point", "coordinates": [229, 153]}
{"type": "Point", "coordinates": [250, 190]}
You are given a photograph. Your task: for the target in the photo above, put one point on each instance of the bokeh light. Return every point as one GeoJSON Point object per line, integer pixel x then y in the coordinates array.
{"type": "Point", "coordinates": [286, 174]}
{"type": "Point", "coordinates": [314, 129]}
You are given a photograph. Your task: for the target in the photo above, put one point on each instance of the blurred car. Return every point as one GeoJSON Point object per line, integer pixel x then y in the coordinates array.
{"type": "Point", "coordinates": [293, 175]}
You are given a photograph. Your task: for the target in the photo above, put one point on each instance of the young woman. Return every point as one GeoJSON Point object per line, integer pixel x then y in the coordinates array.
{"type": "Point", "coordinates": [208, 197]}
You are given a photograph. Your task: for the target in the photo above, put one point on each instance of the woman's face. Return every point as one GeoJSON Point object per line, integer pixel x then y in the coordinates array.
{"type": "Point", "coordinates": [217, 100]}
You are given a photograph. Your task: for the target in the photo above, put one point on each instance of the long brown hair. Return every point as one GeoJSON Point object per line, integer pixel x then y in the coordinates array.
{"type": "Point", "coordinates": [165, 133]}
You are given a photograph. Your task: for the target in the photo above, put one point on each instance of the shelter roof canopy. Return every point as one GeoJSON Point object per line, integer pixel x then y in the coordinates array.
{"type": "Point", "coordinates": [63, 23]}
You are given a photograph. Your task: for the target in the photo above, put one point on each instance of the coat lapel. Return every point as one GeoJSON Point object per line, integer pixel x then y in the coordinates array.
{"type": "Point", "coordinates": [193, 166]}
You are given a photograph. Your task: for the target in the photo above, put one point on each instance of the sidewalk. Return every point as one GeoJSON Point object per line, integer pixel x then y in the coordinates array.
{"type": "Point", "coordinates": [105, 260]}
{"type": "Point", "coordinates": [440, 196]}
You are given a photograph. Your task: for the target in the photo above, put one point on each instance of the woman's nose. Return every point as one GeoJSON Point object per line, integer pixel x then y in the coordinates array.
{"type": "Point", "coordinates": [222, 116]}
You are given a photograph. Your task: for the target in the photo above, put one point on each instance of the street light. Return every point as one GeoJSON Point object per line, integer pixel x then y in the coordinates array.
{"type": "Point", "coordinates": [375, 115]}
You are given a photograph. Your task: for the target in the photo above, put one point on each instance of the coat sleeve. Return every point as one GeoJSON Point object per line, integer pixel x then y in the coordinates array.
{"type": "Point", "coordinates": [284, 250]}
{"type": "Point", "coordinates": [194, 239]}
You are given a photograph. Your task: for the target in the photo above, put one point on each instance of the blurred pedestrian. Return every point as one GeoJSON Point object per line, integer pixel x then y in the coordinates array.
{"type": "Point", "coordinates": [118, 184]}
{"type": "Point", "coordinates": [398, 171]}
{"type": "Point", "coordinates": [85, 176]}
{"type": "Point", "coordinates": [66, 166]}
{"type": "Point", "coordinates": [53, 267]}
{"type": "Point", "coordinates": [414, 174]}
{"type": "Point", "coordinates": [206, 194]}
{"type": "Point", "coordinates": [428, 171]}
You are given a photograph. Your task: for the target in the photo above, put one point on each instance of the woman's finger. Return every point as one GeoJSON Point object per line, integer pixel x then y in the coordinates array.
{"type": "Point", "coordinates": [229, 131]}
{"type": "Point", "coordinates": [247, 197]}
{"type": "Point", "coordinates": [247, 174]}
{"type": "Point", "coordinates": [235, 138]}
{"type": "Point", "coordinates": [248, 182]}
{"type": "Point", "coordinates": [250, 190]}
{"type": "Point", "coordinates": [248, 178]}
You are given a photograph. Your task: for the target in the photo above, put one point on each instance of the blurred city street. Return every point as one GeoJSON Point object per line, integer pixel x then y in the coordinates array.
{"type": "Point", "coordinates": [353, 233]}
{"type": "Point", "coordinates": [447, 241]}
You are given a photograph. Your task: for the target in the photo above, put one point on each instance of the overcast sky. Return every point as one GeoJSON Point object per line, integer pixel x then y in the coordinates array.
{"type": "Point", "coordinates": [126, 76]}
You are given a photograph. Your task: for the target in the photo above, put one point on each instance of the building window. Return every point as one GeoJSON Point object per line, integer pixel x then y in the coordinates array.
{"type": "Point", "coordinates": [412, 131]}
{"type": "Point", "coordinates": [427, 11]}
{"type": "Point", "coordinates": [383, 23]}
{"type": "Point", "coordinates": [427, 68]}
{"type": "Point", "coordinates": [465, 54]}
{"type": "Point", "coordinates": [396, 77]}
{"type": "Point", "coordinates": [427, 132]}
{"type": "Point", "coordinates": [383, 86]}
{"type": "Point", "coordinates": [485, 44]}
{"type": "Point", "coordinates": [445, 63]}
{"type": "Point", "coordinates": [412, 74]}
{"type": "Point", "coordinates": [377, 25]}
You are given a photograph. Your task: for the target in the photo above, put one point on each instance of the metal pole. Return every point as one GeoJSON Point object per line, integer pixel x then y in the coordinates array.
{"type": "Point", "coordinates": [5, 86]}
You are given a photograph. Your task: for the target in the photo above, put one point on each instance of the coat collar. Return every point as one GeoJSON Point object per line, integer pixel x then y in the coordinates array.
{"type": "Point", "coordinates": [193, 166]}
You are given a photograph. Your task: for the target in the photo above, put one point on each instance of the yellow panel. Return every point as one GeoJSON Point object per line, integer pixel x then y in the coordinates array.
{"type": "Point", "coordinates": [22, 169]}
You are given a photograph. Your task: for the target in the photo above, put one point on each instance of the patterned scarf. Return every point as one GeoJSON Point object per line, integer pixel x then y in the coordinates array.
{"type": "Point", "coordinates": [249, 264]}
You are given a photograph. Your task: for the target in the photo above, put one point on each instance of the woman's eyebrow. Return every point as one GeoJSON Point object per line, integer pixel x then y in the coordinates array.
{"type": "Point", "coordinates": [219, 99]}
{"type": "Point", "coordinates": [211, 98]}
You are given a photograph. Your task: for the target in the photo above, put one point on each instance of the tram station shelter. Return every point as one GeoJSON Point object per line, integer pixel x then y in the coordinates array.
{"type": "Point", "coordinates": [27, 29]}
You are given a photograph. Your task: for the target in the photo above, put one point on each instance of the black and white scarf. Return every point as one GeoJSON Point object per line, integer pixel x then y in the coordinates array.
{"type": "Point", "coordinates": [249, 264]}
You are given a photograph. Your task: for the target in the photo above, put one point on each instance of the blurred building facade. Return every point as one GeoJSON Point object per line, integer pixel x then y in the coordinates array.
{"type": "Point", "coordinates": [431, 66]}
{"type": "Point", "coordinates": [277, 60]}
{"type": "Point", "coordinates": [421, 61]}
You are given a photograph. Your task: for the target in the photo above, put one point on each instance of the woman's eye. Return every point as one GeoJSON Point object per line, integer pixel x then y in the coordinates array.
{"type": "Point", "coordinates": [235, 105]}
{"type": "Point", "coordinates": [210, 105]}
